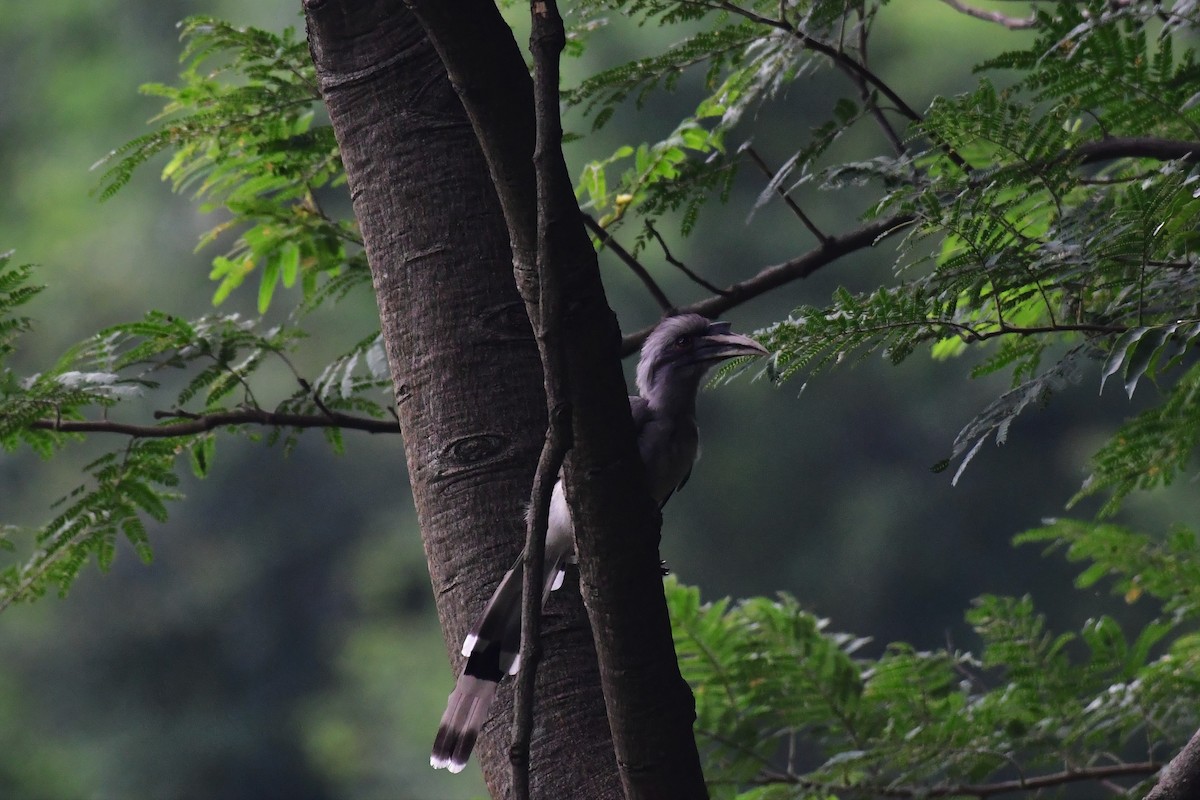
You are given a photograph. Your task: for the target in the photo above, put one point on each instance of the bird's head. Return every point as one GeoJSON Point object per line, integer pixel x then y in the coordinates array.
{"type": "Point", "coordinates": [680, 350]}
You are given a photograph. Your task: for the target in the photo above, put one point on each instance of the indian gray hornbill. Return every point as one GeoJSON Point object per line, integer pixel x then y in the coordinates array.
{"type": "Point", "coordinates": [674, 359]}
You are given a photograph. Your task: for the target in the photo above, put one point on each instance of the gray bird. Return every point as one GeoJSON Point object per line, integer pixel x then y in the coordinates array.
{"type": "Point", "coordinates": [674, 359]}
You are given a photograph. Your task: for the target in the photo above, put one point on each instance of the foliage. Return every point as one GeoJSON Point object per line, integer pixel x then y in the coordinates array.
{"type": "Point", "coordinates": [1015, 223]}
{"type": "Point", "coordinates": [219, 356]}
{"type": "Point", "coordinates": [1046, 219]}
{"type": "Point", "coordinates": [241, 138]}
{"type": "Point", "coordinates": [788, 709]}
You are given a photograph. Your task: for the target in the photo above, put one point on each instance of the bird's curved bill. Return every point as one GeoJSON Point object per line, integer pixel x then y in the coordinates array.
{"type": "Point", "coordinates": [719, 344]}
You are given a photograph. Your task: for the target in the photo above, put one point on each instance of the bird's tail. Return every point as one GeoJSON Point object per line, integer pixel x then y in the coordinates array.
{"type": "Point", "coordinates": [493, 650]}
{"type": "Point", "coordinates": [466, 711]}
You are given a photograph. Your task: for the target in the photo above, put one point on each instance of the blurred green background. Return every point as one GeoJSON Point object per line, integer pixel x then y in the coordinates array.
{"type": "Point", "coordinates": [283, 643]}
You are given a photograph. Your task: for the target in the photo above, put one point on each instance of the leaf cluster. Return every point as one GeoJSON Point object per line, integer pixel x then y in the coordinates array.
{"type": "Point", "coordinates": [1046, 224]}
{"type": "Point", "coordinates": [241, 130]}
{"type": "Point", "coordinates": [746, 58]}
{"type": "Point", "coordinates": [1116, 63]}
{"type": "Point", "coordinates": [1014, 232]}
{"type": "Point", "coordinates": [788, 709]}
{"type": "Point", "coordinates": [212, 364]}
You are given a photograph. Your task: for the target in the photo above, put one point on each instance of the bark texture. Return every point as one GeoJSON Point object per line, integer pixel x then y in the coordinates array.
{"type": "Point", "coordinates": [1180, 779]}
{"type": "Point", "coordinates": [650, 707]}
{"type": "Point", "coordinates": [464, 364]}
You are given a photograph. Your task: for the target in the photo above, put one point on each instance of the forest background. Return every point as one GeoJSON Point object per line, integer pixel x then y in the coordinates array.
{"type": "Point", "coordinates": [284, 637]}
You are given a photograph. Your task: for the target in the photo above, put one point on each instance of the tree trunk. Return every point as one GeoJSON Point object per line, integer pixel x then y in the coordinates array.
{"type": "Point", "coordinates": [650, 708]}
{"type": "Point", "coordinates": [464, 365]}
{"type": "Point", "coordinates": [1180, 779]}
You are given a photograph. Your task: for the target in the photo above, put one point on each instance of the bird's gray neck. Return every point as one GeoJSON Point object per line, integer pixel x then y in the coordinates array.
{"type": "Point", "coordinates": [675, 398]}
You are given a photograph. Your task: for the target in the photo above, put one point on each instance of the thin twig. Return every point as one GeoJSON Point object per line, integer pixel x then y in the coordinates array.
{"type": "Point", "coordinates": [840, 59]}
{"type": "Point", "coordinates": [634, 265]}
{"type": "Point", "coordinates": [318, 401]}
{"type": "Point", "coordinates": [779, 274]}
{"type": "Point", "coordinates": [889, 131]}
{"type": "Point", "coordinates": [979, 790]}
{"type": "Point", "coordinates": [1113, 147]}
{"type": "Point", "coordinates": [199, 423]}
{"type": "Point", "coordinates": [783, 193]}
{"type": "Point", "coordinates": [866, 236]}
{"type": "Point", "coordinates": [1012, 23]}
{"type": "Point", "coordinates": [679, 265]}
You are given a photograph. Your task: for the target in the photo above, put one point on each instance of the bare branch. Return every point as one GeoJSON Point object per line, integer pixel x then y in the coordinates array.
{"type": "Point", "coordinates": [838, 57]}
{"type": "Point", "coordinates": [611, 243]}
{"type": "Point", "coordinates": [834, 247]}
{"type": "Point", "coordinates": [777, 275]}
{"type": "Point", "coordinates": [1114, 147]}
{"type": "Point", "coordinates": [679, 265]}
{"type": "Point", "coordinates": [889, 131]}
{"type": "Point", "coordinates": [199, 423]}
{"type": "Point", "coordinates": [981, 790]}
{"type": "Point", "coordinates": [787, 199]}
{"type": "Point", "coordinates": [547, 39]}
{"type": "Point", "coordinates": [1012, 23]}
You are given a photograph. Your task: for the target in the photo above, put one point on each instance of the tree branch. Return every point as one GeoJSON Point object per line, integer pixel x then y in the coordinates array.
{"type": "Point", "coordinates": [838, 57]}
{"type": "Point", "coordinates": [889, 131]}
{"type": "Point", "coordinates": [835, 247]}
{"type": "Point", "coordinates": [787, 199]}
{"type": "Point", "coordinates": [546, 41]}
{"type": "Point", "coordinates": [858, 71]}
{"type": "Point", "coordinates": [775, 276]}
{"type": "Point", "coordinates": [649, 706]}
{"type": "Point", "coordinates": [983, 790]}
{"type": "Point", "coordinates": [1180, 779]}
{"type": "Point", "coordinates": [199, 423]}
{"type": "Point", "coordinates": [1012, 23]}
{"type": "Point", "coordinates": [679, 265]}
{"type": "Point", "coordinates": [1115, 147]}
{"type": "Point", "coordinates": [611, 243]}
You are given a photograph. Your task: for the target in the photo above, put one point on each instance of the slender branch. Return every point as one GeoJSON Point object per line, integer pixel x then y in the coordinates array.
{"type": "Point", "coordinates": [857, 70]}
{"type": "Point", "coordinates": [1012, 23]}
{"type": "Point", "coordinates": [779, 274]}
{"type": "Point", "coordinates": [969, 333]}
{"type": "Point", "coordinates": [549, 463]}
{"type": "Point", "coordinates": [679, 265]}
{"type": "Point", "coordinates": [787, 199]}
{"type": "Point", "coordinates": [835, 247]}
{"type": "Point", "coordinates": [199, 423]}
{"type": "Point", "coordinates": [981, 790]}
{"type": "Point", "coordinates": [547, 38]}
{"type": "Point", "coordinates": [838, 57]}
{"type": "Point", "coordinates": [1114, 147]}
{"type": "Point", "coordinates": [612, 244]}
{"type": "Point", "coordinates": [889, 131]}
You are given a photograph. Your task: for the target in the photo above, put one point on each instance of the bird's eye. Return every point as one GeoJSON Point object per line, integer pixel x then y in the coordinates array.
{"type": "Point", "coordinates": [682, 343]}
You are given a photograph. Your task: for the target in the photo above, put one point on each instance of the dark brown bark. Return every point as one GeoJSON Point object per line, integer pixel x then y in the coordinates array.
{"type": "Point", "coordinates": [650, 707]}
{"type": "Point", "coordinates": [1180, 779]}
{"type": "Point", "coordinates": [464, 363]}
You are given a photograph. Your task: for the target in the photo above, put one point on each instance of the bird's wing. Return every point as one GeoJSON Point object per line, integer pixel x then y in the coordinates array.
{"type": "Point", "coordinates": [639, 409]}
{"type": "Point", "coordinates": [642, 418]}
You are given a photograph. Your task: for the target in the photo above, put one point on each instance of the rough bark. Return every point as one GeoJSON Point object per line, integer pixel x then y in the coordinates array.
{"type": "Point", "coordinates": [464, 363]}
{"type": "Point", "coordinates": [650, 708]}
{"type": "Point", "coordinates": [1180, 779]}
